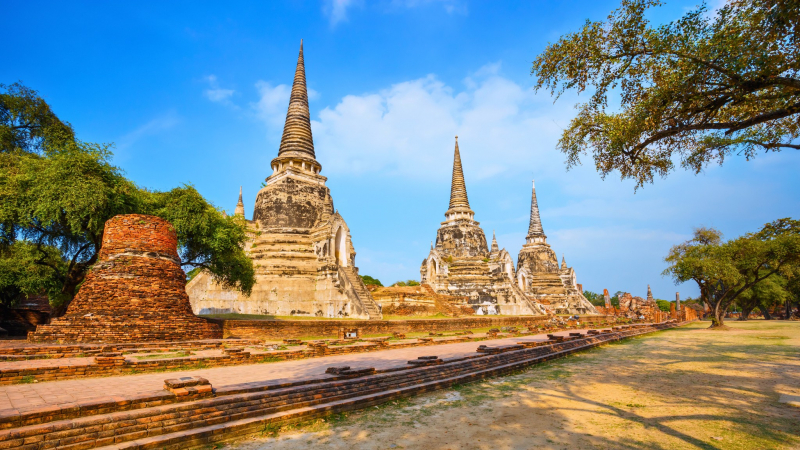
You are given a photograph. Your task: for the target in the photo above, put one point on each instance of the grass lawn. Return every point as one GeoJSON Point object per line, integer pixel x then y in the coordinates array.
{"type": "Point", "coordinates": [687, 388]}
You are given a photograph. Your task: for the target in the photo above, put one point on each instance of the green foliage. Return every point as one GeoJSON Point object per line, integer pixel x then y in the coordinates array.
{"type": "Point", "coordinates": [56, 193]}
{"type": "Point", "coordinates": [26, 269]}
{"type": "Point", "coordinates": [663, 305]}
{"type": "Point", "coordinates": [768, 293]}
{"type": "Point", "coordinates": [369, 281]}
{"type": "Point", "coordinates": [27, 124]}
{"type": "Point", "coordinates": [594, 298]}
{"type": "Point", "coordinates": [406, 283]}
{"type": "Point", "coordinates": [193, 273]}
{"type": "Point", "coordinates": [206, 238]}
{"type": "Point", "coordinates": [698, 89]}
{"type": "Point", "coordinates": [725, 270]}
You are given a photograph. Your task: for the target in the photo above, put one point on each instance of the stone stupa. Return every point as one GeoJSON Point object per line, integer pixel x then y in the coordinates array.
{"type": "Point", "coordinates": [136, 292]}
{"type": "Point", "coordinates": [300, 245]}
{"type": "Point", "coordinates": [461, 263]}
{"type": "Point", "coordinates": [539, 275]}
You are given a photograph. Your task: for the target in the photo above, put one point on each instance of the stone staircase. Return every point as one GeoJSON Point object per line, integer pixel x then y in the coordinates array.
{"type": "Point", "coordinates": [205, 417]}
{"type": "Point", "coordinates": [284, 253]}
{"type": "Point", "coordinates": [361, 291]}
{"type": "Point", "coordinates": [535, 308]}
{"type": "Point", "coordinates": [442, 302]}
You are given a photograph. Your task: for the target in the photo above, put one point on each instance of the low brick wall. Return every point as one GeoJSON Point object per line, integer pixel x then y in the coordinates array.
{"type": "Point", "coordinates": [282, 329]}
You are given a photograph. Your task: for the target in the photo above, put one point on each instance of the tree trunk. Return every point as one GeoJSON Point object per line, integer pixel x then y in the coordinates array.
{"type": "Point", "coordinates": [765, 312]}
{"type": "Point", "coordinates": [745, 314]}
{"type": "Point", "coordinates": [788, 309]}
{"type": "Point", "coordinates": [718, 316]}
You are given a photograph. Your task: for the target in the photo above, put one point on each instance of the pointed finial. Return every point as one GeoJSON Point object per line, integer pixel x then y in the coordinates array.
{"type": "Point", "coordinates": [239, 211]}
{"type": "Point", "coordinates": [495, 247]}
{"type": "Point", "coordinates": [297, 139]}
{"type": "Point", "coordinates": [535, 227]}
{"type": "Point", "coordinates": [458, 188]}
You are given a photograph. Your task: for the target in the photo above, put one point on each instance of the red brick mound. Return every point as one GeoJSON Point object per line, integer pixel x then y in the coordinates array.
{"type": "Point", "coordinates": [135, 292]}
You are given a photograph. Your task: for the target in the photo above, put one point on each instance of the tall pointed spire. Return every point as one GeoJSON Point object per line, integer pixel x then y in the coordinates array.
{"type": "Point", "coordinates": [495, 247]}
{"type": "Point", "coordinates": [649, 293]}
{"type": "Point", "coordinates": [240, 205]}
{"type": "Point", "coordinates": [297, 139]}
{"type": "Point", "coordinates": [459, 203]}
{"type": "Point", "coordinates": [458, 189]}
{"type": "Point", "coordinates": [535, 231]}
{"type": "Point", "coordinates": [563, 262]}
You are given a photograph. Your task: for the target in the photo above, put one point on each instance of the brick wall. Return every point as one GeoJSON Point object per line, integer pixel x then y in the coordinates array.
{"type": "Point", "coordinates": [281, 329]}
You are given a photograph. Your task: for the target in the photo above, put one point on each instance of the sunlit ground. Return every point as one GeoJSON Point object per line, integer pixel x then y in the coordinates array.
{"type": "Point", "coordinates": [684, 388]}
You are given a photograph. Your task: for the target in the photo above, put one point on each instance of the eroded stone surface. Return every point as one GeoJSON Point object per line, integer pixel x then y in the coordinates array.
{"type": "Point", "coordinates": [461, 264]}
{"type": "Point", "coordinates": [135, 292]}
{"type": "Point", "coordinates": [300, 245]}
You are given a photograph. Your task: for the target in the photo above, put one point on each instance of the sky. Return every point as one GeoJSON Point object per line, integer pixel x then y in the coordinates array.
{"type": "Point", "coordinates": [193, 92]}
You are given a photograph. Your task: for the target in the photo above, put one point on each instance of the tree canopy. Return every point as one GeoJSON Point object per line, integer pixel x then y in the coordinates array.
{"type": "Point", "coordinates": [724, 270]}
{"type": "Point", "coordinates": [368, 280]}
{"type": "Point", "coordinates": [57, 192]}
{"type": "Point", "coordinates": [695, 90]}
{"type": "Point", "coordinates": [406, 283]}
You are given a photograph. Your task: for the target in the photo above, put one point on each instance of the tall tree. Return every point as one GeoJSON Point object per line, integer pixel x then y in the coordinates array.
{"type": "Point", "coordinates": [697, 89]}
{"type": "Point", "coordinates": [56, 193]}
{"type": "Point", "coordinates": [724, 270]}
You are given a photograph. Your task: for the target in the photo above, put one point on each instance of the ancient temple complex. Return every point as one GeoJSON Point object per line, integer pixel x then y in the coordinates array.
{"type": "Point", "coordinates": [301, 247]}
{"type": "Point", "coordinates": [462, 264]}
{"type": "Point", "coordinates": [541, 278]}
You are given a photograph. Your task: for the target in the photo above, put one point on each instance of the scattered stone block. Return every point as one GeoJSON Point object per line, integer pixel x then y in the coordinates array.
{"type": "Point", "coordinates": [426, 361]}
{"type": "Point", "coordinates": [347, 371]}
{"type": "Point", "coordinates": [196, 386]}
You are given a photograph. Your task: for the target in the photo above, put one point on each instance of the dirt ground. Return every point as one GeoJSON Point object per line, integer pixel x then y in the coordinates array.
{"type": "Point", "coordinates": [678, 389]}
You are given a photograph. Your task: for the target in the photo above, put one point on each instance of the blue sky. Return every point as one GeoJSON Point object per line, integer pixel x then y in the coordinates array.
{"type": "Point", "coordinates": [196, 92]}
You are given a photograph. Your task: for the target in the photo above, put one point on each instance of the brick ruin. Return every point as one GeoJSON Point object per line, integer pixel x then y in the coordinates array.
{"type": "Point", "coordinates": [419, 301]}
{"type": "Point", "coordinates": [300, 245]}
{"type": "Point", "coordinates": [646, 309]}
{"type": "Point", "coordinates": [462, 264]}
{"type": "Point", "coordinates": [135, 291]}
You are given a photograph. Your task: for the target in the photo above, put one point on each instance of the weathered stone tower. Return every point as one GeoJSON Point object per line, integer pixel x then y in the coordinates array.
{"type": "Point", "coordinates": [135, 292]}
{"type": "Point", "coordinates": [301, 247]}
{"type": "Point", "coordinates": [539, 275]}
{"type": "Point", "coordinates": [462, 264]}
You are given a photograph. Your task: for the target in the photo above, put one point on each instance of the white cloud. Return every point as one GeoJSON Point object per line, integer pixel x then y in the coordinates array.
{"type": "Point", "coordinates": [217, 94]}
{"type": "Point", "coordinates": [336, 10]}
{"type": "Point", "coordinates": [272, 104]}
{"type": "Point", "coordinates": [157, 125]}
{"type": "Point", "coordinates": [408, 129]}
{"type": "Point", "coordinates": [450, 6]}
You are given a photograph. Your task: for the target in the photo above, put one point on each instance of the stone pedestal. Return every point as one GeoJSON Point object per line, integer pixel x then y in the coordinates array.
{"type": "Point", "coordinates": [135, 292]}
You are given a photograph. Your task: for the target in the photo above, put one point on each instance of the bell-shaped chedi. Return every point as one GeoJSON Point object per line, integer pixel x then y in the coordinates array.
{"type": "Point", "coordinates": [463, 266]}
{"type": "Point", "coordinates": [300, 245]}
{"type": "Point", "coordinates": [135, 292]}
{"type": "Point", "coordinates": [539, 275]}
